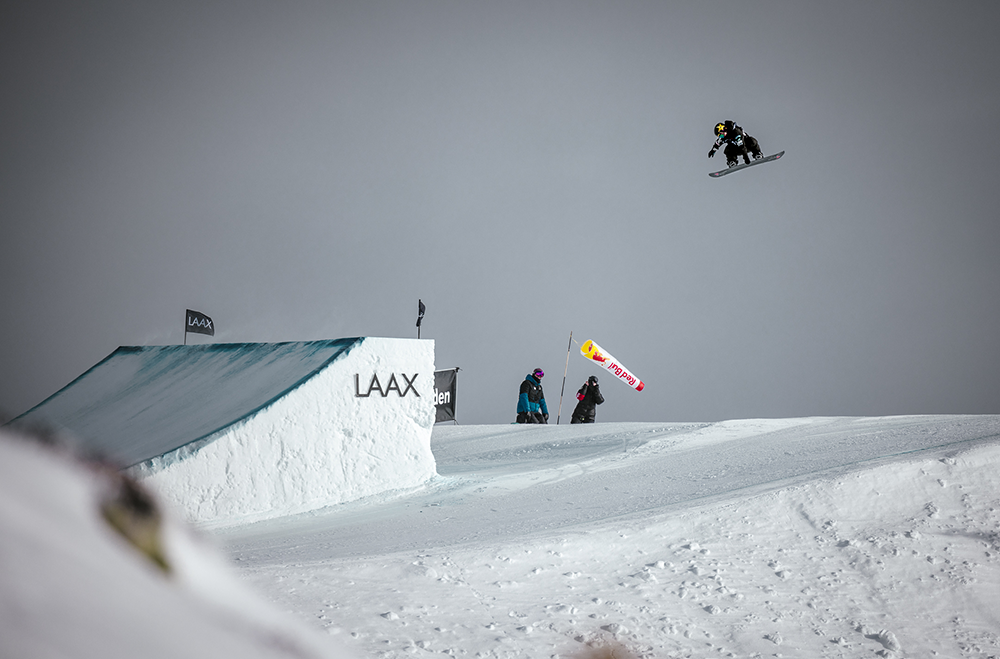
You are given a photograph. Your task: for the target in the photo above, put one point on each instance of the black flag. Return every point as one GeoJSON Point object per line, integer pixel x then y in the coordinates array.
{"type": "Point", "coordinates": [420, 311]}
{"type": "Point", "coordinates": [198, 323]}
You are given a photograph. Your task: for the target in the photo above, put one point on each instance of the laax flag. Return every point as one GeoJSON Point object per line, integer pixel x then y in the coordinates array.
{"type": "Point", "coordinates": [420, 311]}
{"type": "Point", "coordinates": [598, 355]}
{"type": "Point", "coordinates": [199, 323]}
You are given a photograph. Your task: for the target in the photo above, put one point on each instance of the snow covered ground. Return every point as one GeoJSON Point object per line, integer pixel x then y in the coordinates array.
{"type": "Point", "coordinates": [819, 537]}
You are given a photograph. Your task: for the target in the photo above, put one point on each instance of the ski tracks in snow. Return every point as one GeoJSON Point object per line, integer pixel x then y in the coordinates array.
{"type": "Point", "coordinates": [856, 565]}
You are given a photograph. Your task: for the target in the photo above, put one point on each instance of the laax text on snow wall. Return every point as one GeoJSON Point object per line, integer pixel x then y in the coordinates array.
{"type": "Point", "coordinates": [392, 385]}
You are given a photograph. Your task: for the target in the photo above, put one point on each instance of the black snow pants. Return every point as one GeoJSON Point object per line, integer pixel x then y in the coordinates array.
{"type": "Point", "coordinates": [750, 148]}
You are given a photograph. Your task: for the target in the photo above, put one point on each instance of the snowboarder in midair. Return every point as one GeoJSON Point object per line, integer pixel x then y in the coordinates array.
{"type": "Point", "coordinates": [737, 142]}
{"type": "Point", "coordinates": [531, 407]}
{"type": "Point", "coordinates": [590, 397]}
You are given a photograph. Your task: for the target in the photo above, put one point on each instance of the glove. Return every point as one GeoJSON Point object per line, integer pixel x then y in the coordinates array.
{"type": "Point", "coordinates": [711, 153]}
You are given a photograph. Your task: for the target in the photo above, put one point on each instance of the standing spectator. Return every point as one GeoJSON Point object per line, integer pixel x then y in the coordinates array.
{"type": "Point", "coordinates": [590, 397]}
{"type": "Point", "coordinates": [531, 407]}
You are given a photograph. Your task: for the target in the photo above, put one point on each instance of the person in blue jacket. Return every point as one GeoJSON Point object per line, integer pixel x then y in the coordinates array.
{"type": "Point", "coordinates": [531, 407]}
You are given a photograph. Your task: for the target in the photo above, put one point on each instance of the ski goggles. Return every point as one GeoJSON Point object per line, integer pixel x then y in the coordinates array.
{"type": "Point", "coordinates": [538, 373]}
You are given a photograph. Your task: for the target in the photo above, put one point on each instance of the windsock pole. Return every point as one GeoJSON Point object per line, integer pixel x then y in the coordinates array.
{"type": "Point", "coordinates": [565, 370]}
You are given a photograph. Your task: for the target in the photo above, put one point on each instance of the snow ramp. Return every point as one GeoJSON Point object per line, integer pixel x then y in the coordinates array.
{"type": "Point", "coordinates": [230, 433]}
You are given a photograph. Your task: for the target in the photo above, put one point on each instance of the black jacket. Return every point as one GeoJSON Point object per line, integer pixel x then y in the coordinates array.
{"type": "Point", "coordinates": [590, 397]}
{"type": "Point", "coordinates": [732, 134]}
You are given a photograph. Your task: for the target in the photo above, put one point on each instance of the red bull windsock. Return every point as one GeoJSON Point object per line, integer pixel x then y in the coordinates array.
{"type": "Point", "coordinates": [598, 355]}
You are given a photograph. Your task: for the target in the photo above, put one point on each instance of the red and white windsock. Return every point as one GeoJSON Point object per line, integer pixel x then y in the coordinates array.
{"type": "Point", "coordinates": [598, 355]}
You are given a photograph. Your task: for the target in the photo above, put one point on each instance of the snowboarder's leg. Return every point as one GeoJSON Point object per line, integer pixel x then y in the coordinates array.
{"type": "Point", "coordinates": [753, 147]}
{"type": "Point", "coordinates": [732, 154]}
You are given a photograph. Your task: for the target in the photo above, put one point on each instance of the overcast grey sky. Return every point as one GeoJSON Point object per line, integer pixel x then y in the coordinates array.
{"type": "Point", "coordinates": [306, 170]}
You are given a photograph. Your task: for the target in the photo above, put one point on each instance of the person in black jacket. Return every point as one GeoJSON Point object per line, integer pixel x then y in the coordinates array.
{"type": "Point", "coordinates": [590, 397]}
{"type": "Point", "coordinates": [737, 142]}
{"type": "Point", "coordinates": [531, 407]}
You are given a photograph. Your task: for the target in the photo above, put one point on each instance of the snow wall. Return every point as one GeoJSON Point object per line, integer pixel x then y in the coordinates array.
{"type": "Point", "coordinates": [233, 433]}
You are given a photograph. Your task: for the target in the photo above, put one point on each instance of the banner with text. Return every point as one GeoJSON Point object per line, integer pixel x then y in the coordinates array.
{"type": "Point", "coordinates": [444, 394]}
{"type": "Point", "coordinates": [598, 355]}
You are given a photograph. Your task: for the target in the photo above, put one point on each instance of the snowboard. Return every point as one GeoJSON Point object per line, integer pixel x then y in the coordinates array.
{"type": "Point", "coordinates": [730, 170]}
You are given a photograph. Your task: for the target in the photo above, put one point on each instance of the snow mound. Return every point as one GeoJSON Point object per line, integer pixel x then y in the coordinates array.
{"type": "Point", "coordinates": [75, 583]}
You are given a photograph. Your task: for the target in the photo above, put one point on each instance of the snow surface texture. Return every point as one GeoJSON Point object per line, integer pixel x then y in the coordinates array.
{"type": "Point", "coordinates": [70, 586]}
{"type": "Point", "coordinates": [830, 538]}
{"type": "Point", "coordinates": [318, 445]}
{"type": "Point", "coordinates": [825, 537]}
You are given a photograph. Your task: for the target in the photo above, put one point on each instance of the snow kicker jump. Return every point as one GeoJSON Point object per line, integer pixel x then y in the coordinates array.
{"type": "Point", "coordinates": [239, 432]}
{"type": "Point", "coordinates": [598, 355]}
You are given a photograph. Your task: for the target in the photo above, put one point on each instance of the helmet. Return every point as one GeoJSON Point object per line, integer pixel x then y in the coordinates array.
{"type": "Point", "coordinates": [538, 373]}
{"type": "Point", "coordinates": [592, 379]}
{"type": "Point", "coordinates": [719, 128]}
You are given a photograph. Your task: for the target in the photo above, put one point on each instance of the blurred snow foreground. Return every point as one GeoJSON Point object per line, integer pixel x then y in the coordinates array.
{"type": "Point", "coordinates": [91, 565]}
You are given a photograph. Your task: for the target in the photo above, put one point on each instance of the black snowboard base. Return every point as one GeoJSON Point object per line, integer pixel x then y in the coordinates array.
{"type": "Point", "coordinates": [734, 168]}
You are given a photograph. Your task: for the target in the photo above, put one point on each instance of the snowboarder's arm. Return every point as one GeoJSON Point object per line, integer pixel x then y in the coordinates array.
{"type": "Point", "coordinates": [718, 143]}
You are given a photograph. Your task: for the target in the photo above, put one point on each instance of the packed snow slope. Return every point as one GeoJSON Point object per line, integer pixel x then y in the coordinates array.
{"type": "Point", "coordinates": [501, 481]}
{"type": "Point", "coordinates": [143, 402]}
{"type": "Point", "coordinates": [822, 537]}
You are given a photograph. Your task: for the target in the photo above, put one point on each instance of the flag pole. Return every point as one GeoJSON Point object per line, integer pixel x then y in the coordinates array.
{"type": "Point", "coordinates": [185, 328]}
{"type": "Point", "coordinates": [565, 370]}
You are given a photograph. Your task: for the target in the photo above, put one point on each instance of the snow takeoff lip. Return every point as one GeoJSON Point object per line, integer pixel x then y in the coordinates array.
{"type": "Point", "coordinates": [596, 354]}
